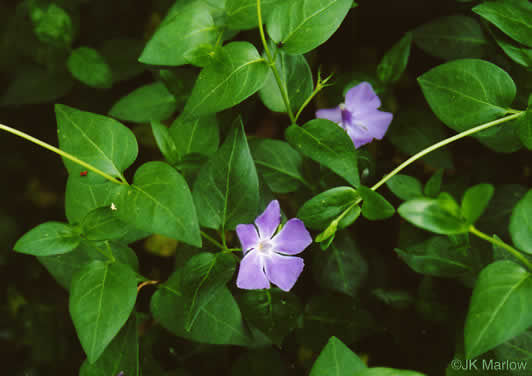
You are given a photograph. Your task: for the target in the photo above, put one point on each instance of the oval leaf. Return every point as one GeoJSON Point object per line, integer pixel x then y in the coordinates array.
{"type": "Point", "coordinates": [405, 187]}
{"type": "Point", "coordinates": [102, 297]}
{"type": "Point", "coordinates": [302, 25]}
{"type": "Point", "coordinates": [200, 135]}
{"type": "Point", "coordinates": [475, 201]}
{"type": "Point", "coordinates": [95, 139]}
{"type": "Point", "coordinates": [237, 73]}
{"type": "Point", "coordinates": [395, 60]}
{"type": "Point", "coordinates": [521, 223]}
{"type": "Point", "coordinates": [103, 224]}
{"type": "Point", "coordinates": [242, 14]}
{"type": "Point", "coordinates": [336, 359]}
{"type": "Point", "coordinates": [88, 66]}
{"type": "Point", "coordinates": [50, 238]}
{"type": "Point", "coordinates": [500, 308]}
{"type": "Point", "coordinates": [374, 206]}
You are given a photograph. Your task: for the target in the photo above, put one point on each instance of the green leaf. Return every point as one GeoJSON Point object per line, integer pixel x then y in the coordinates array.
{"type": "Point", "coordinates": [50, 238]}
{"type": "Point", "coordinates": [63, 267]}
{"type": "Point", "coordinates": [103, 224]}
{"type": "Point", "coordinates": [326, 143]}
{"type": "Point", "coordinates": [381, 371]}
{"type": "Point", "coordinates": [279, 164]}
{"type": "Point", "coordinates": [518, 348]}
{"type": "Point", "coordinates": [405, 187]}
{"type": "Point", "coordinates": [88, 66]}
{"type": "Point", "coordinates": [394, 62]}
{"type": "Point", "coordinates": [415, 129]}
{"type": "Point", "coordinates": [296, 78]}
{"type": "Point", "coordinates": [200, 135]}
{"type": "Point", "coordinates": [165, 142]}
{"type": "Point", "coordinates": [500, 307]}
{"type": "Point", "coordinates": [375, 206]}
{"type": "Point", "coordinates": [181, 33]}
{"type": "Point", "coordinates": [203, 276]}
{"type": "Point", "coordinates": [519, 53]}
{"type": "Point", "coordinates": [469, 92]}
{"type": "Point", "coordinates": [272, 311]}
{"type": "Point", "coordinates": [475, 201]}
{"type": "Point", "coordinates": [512, 17]}
{"type": "Point", "coordinates": [237, 73]}
{"type": "Point", "coordinates": [342, 268]}
{"type": "Point", "coordinates": [122, 354]}
{"type": "Point", "coordinates": [440, 215]}
{"type": "Point", "coordinates": [152, 102]}
{"type": "Point", "coordinates": [452, 37]}
{"type": "Point", "coordinates": [524, 124]}
{"type": "Point", "coordinates": [218, 322]}
{"type": "Point", "coordinates": [438, 256]}
{"type": "Point", "coordinates": [521, 223]}
{"type": "Point", "coordinates": [51, 24]}
{"type": "Point", "coordinates": [98, 140]}
{"type": "Point", "coordinates": [433, 185]}
{"type": "Point", "coordinates": [336, 359]}
{"type": "Point", "coordinates": [320, 210]}
{"type": "Point", "coordinates": [226, 191]}
{"type": "Point", "coordinates": [302, 25]}
{"type": "Point", "coordinates": [102, 297]}
{"type": "Point", "coordinates": [242, 14]}
{"type": "Point", "coordinates": [159, 201]}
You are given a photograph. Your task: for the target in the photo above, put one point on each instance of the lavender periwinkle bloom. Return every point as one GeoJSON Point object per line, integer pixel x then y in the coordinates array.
{"type": "Point", "coordinates": [359, 115]}
{"type": "Point", "coordinates": [268, 256]}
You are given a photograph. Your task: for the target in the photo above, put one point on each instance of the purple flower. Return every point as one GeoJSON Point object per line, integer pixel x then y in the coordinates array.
{"type": "Point", "coordinates": [268, 257]}
{"type": "Point", "coordinates": [359, 115]}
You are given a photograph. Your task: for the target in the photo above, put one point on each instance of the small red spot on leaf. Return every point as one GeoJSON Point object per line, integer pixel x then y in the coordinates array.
{"type": "Point", "coordinates": [83, 173]}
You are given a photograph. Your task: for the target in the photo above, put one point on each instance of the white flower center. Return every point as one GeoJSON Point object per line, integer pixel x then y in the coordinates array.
{"type": "Point", "coordinates": [264, 247]}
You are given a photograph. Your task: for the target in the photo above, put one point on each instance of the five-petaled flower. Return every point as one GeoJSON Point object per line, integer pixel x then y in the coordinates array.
{"type": "Point", "coordinates": [268, 255]}
{"type": "Point", "coordinates": [359, 115]}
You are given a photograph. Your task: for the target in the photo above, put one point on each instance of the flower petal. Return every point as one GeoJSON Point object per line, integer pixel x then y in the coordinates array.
{"type": "Point", "coordinates": [283, 271]}
{"type": "Point", "coordinates": [251, 274]}
{"type": "Point", "coordinates": [361, 97]}
{"type": "Point", "coordinates": [269, 220]}
{"type": "Point", "coordinates": [359, 136]}
{"type": "Point", "coordinates": [247, 234]}
{"type": "Point", "coordinates": [377, 122]}
{"type": "Point", "coordinates": [292, 239]}
{"type": "Point", "coordinates": [332, 114]}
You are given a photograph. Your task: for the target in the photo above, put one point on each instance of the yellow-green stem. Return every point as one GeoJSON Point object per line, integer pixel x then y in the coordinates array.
{"type": "Point", "coordinates": [60, 152]}
{"type": "Point", "coordinates": [501, 244]}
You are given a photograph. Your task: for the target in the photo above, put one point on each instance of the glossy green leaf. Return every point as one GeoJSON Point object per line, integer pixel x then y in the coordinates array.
{"type": "Point", "coordinates": [342, 268]}
{"type": "Point", "coordinates": [320, 210]}
{"type": "Point", "coordinates": [452, 37]}
{"type": "Point", "coordinates": [519, 53]}
{"type": "Point", "coordinates": [296, 77]}
{"type": "Point", "coordinates": [394, 62]}
{"type": "Point", "coordinates": [438, 256]}
{"type": "Point", "coordinates": [102, 297]}
{"type": "Point", "coordinates": [336, 359]}
{"type": "Point", "coordinates": [279, 165]}
{"type": "Point", "coordinates": [200, 135]}
{"type": "Point", "coordinates": [433, 185]}
{"type": "Point", "coordinates": [302, 25]}
{"type": "Point", "coordinates": [152, 102]}
{"type": "Point", "coordinates": [122, 354]}
{"type": "Point", "coordinates": [524, 125]}
{"type": "Point", "coordinates": [500, 307]}
{"type": "Point", "coordinates": [273, 311]}
{"type": "Point", "coordinates": [218, 322]}
{"type": "Point", "coordinates": [50, 238]}
{"type": "Point", "coordinates": [238, 72]}
{"type": "Point", "coordinates": [63, 267]}
{"type": "Point", "coordinates": [103, 224]}
{"type": "Point", "coordinates": [326, 143]}
{"type": "Point", "coordinates": [226, 191]}
{"type": "Point", "coordinates": [475, 201]}
{"type": "Point", "coordinates": [518, 348]}
{"type": "Point", "coordinates": [95, 139]}
{"type": "Point", "coordinates": [521, 223]}
{"type": "Point", "coordinates": [375, 206]}
{"type": "Point", "coordinates": [440, 215]}
{"type": "Point", "coordinates": [415, 129]}
{"type": "Point", "coordinates": [242, 14]}
{"type": "Point", "coordinates": [203, 276]}
{"type": "Point", "coordinates": [159, 201]}
{"type": "Point", "coordinates": [165, 142]}
{"type": "Point", "coordinates": [405, 187]}
{"type": "Point", "coordinates": [512, 17]}
{"type": "Point", "coordinates": [183, 31]}
{"type": "Point", "coordinates": [88, 66]}
{"type": "Point", "coordinates": [469, 92]}
{"type": "Point", "coordinates": [381, 371]}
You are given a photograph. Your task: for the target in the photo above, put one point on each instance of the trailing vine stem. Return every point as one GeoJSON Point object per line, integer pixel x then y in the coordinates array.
{"type": "Point", "coordinates": [63, 154]}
